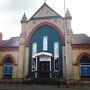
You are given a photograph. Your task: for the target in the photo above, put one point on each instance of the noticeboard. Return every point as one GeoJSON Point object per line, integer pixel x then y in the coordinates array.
{"type": "Point", "coordinates": [7, 70]}
{"type": "Point", "coordinates": [85, 70]}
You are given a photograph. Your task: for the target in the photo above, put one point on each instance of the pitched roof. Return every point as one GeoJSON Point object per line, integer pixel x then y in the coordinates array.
{"type": "Point", "coordinates": [12, 42]}
{"type": "Point", "coordinates": [80, 39]}
{"type": "Point", "coordinates": [77, 39]}
{"type": "Point", "coordinates": [45, 12]}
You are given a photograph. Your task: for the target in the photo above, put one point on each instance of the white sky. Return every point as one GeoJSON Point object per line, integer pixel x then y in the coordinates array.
{"type": "Point", "coordinates": [11, 12]}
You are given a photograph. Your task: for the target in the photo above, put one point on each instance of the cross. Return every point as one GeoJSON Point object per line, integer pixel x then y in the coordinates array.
{"type": "Point", "coordinates": [45, 1]}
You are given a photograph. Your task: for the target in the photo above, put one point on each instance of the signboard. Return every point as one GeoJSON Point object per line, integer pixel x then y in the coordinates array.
{"type": "Point", "coordinates": [7, 70]}
{"type": "Point", "coordinates": [85, 70]}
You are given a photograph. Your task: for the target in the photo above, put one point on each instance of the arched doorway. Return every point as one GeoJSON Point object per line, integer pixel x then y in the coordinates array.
{"type": "Point", "coordinates": [45, 49]}
{"type": "Point", "coordinates": [7, 67]}
{"type": "Point", "coordinates": [85, 66]}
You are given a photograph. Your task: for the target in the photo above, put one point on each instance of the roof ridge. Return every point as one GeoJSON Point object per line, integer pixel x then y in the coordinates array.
{"type": "Point", "coordinates": [49, 8]}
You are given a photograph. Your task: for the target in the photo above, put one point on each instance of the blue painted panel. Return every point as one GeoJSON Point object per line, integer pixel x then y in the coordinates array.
{"type": "Point", "coordinates": [85, 70]}
{"type": "Point", "coordinates": [7, 70]}
{"type": "Point", "coordinates": [53, 36]}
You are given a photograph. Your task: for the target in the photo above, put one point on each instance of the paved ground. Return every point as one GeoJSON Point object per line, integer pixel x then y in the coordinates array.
{"type": "Point", "coordinates": [39, 87]}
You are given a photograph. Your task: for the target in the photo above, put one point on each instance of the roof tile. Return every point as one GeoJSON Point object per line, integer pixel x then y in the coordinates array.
{"type": "Point", "coordinates": [80, 39]}
{"type": "Point", "coordinates": [13, 42]}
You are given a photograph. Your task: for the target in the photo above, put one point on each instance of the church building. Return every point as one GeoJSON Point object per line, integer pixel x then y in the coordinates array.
{"type": "Point", "coordinates": [46, 48]}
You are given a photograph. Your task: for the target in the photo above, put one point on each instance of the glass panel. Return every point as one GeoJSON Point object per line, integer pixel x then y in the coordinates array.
{"type": "Point", "coordinates": [34, 48]}
{"type": "Point", "coordinates": [34, 64]}
{"type": "Point", "coordinates": [56, 54]}
{"type": "Point", "coordinates": [56, 64]}
{"type": "Point", "coordinates": [45, 43]}
{"type": "Point", "coordinates": [56, 49]}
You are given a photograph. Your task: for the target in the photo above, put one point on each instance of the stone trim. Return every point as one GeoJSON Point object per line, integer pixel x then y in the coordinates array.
{"type": "Point", "coordinates": [80, 46]}
{"type": "Point", "coordinates": [9, 49]}
{"type": "Point", "coordinates": [47, 17]}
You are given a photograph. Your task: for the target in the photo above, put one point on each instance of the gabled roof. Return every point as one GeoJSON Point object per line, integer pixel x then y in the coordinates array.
{"type": "Point", "coordinates": [80, 39]}
{"type": "Point", "coordinates": [45, 12]}
{"type": "Point", "coordinates": [12, 42]}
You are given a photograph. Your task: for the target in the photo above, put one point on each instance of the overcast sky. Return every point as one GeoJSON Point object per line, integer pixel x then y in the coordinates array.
{"type": "Point", "coordinates": [11, 12]}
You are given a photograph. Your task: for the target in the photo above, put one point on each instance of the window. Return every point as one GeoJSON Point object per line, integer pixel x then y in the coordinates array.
{"type": "Point", "coordinates": [34, 51]}
{"type": "Point", "coordinates": [34, 64]}
{"type": "Point", "coordinates": [45, 43]}
{"type": "Point", "coordinates": [56, 64]}
{"type": "Point", "coordinates": [56, 55]}
{"type": "Point", "coordinates": [56, 49]}
{"type": "Point", "coordinates": [34, 48]}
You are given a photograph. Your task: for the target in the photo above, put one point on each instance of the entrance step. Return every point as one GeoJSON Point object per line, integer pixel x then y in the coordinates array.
{"type": "Point", "coordinates": [45, 81]}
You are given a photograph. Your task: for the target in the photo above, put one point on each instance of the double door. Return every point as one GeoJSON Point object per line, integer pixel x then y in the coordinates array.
{"type": "Point", "coordinates": [44, 69]}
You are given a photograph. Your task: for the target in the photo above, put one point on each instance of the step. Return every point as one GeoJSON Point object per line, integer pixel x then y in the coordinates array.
{"type": "Point", "coordinates": [45, 81]}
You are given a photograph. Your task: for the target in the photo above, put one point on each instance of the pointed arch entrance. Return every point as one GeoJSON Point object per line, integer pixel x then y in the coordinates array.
{"type": "Point", "coordinates": [45, 46]}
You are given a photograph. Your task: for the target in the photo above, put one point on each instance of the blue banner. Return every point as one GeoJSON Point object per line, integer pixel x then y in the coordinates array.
{"type": "Point", "coordinates": [7, 70]}
{"type": "Point", "coordinates": [85, 70]}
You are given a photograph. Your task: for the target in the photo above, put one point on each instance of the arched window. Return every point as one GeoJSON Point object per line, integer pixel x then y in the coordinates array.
{"type": "Point", "coordinates": [8, 68]}
{"type": "Point", "coordinates": [85, 66]}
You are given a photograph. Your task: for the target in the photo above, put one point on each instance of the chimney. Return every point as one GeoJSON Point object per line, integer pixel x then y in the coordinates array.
{"type": "Point", "coordinates": [1, 37]}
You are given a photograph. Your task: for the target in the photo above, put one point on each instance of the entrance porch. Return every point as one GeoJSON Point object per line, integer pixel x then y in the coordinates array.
{"type": "Point", "coordinates": [42, 65]}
